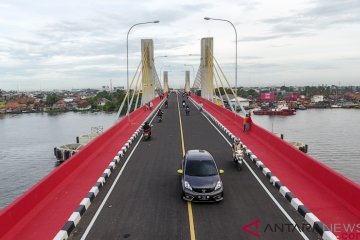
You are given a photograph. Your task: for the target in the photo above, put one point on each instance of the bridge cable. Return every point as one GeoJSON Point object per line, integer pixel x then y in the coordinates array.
{"type": "Point", "coordinates": [133, 94]}
{"type": "Point", "coordinates": [138, 96]}
{"type": "Point", "coordinates": [127, 93]}
{"type": "Point", "coordinates": [235, 95]}
{"type": "Point", "coordinates": [226, 94]}
{"type": "Point", "coordinates": [217, 86]}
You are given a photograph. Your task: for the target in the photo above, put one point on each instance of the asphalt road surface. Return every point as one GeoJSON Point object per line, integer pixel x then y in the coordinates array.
{"type": "Point", "coordinates": [145, 200]}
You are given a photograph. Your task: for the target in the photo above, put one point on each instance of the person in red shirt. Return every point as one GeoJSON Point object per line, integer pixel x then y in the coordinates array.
{"type": "Point", "coordinates": [249, 121]}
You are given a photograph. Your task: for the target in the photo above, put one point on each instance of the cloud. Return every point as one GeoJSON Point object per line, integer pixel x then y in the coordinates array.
{"type": "Point", "coordinates": [84, 42]}
{"type": "Point", "coordinates": [323, 14]}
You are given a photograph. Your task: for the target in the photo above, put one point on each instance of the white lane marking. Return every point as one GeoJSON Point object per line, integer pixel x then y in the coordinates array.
{"type": "Point", "coordinates": [108, 194]}
{"type": "Point", "coordinates": [263, 186]}
{"type": "Point", "coordinates": [112, 186]}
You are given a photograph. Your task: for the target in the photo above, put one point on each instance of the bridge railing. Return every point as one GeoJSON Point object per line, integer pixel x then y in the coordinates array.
{"type": "Point", "coordinates": [339, 187]}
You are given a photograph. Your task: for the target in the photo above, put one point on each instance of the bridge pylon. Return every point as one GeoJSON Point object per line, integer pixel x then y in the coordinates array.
{"type": "Point", "coordinates": [207, 78]}
{"type": "Point", "coordinates": [187, 81]}
{"type": "Point", "coordinates": [148, 68]}
{"type": "Point", "coordinates": [166, 81]}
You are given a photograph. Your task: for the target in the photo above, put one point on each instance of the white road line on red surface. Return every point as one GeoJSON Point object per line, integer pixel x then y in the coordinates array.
{"type": "Point", "coordinates": [262, 185]}
{"type": "Point", "coordinates": [112, 187]}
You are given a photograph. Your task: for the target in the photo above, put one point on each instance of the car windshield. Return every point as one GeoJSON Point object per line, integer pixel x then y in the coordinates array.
{"type": "Point", "coordinates": [200, 168]}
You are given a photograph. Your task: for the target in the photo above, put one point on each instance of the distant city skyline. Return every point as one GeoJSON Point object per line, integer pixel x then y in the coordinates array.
{"type": "Point", "coordinates": [79, 44]}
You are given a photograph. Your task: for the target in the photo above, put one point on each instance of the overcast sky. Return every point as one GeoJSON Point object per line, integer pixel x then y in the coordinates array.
{"type": "Point", "coordinates": [67, 44]}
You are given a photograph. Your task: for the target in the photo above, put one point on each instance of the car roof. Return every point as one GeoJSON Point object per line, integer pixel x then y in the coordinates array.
{"type": "Point", "coordinates": [197, 154]}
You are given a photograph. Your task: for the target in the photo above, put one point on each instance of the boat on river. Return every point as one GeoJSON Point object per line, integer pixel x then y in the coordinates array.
{"type": "Point", "coordinates": [275, 112]}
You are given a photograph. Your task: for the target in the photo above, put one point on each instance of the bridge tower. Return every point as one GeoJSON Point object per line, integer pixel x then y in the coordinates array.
{"type": "Point", "coordinates": [148, 75]}
{"type": "Point", "coordinates": [166, 81]}
{"type": "Point", "coordinates": [187, 81]}
{"type": "Point", "coordinates": [207, 78]}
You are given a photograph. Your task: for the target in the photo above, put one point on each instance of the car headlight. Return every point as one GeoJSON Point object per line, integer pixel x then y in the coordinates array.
{"type": "Point", "coordinates": [187, 185]}
{"type": "Point", "coordinates": [218, 185]}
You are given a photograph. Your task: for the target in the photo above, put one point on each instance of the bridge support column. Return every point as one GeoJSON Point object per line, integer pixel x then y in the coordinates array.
{"type": "Point", "coordinates": [187, 81]}
{"type": "Point", "coordinates": [166, 81]}
{"type": "Point", "coordinates": [148, 79]}
{"type": "Point", "coordinates": [207, 81]}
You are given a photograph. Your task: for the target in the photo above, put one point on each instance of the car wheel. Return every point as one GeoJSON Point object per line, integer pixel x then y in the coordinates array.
{"type": "Point", "coordinates": [183, 195]}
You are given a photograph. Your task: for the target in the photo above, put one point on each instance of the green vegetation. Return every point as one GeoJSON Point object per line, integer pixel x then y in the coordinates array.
{"type": "Point", "coordinates": [52, 98]}
{"type": "Point", "coordinates": [251, 93]}
{"type": "Point", "coordinates": [112, 104]}
{"type": "Point", "coordinates": [2, 104]}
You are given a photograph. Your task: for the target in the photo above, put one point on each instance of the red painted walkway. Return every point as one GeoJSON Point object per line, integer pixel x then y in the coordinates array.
{"type": "Point", "coordinates": [43, 210]}
{"type": "Point", "coordinates": [334, 199]}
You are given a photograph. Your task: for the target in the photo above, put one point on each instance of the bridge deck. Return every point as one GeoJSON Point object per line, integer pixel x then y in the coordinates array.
{"type": "Point", "coordinates": [143, 201]}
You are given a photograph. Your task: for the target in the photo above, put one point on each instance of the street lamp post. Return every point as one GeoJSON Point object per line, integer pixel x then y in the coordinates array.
{"type": "Point", "coordinates": [224, 20]}
{"type": "Point", "coordinates": [127, 58]}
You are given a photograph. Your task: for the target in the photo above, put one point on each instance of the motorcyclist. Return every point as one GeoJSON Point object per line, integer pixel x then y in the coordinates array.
{"type": "Point", "coordinates": [236, 146]}
{"type": "Point", "coordinates": [159, 114]}
{"type": "Point", "coordinates": [183, 103]}
{"type": "Point", "coordinates": [147, 128]}
{"type": "Point", "coordinates": [166, 103]}
{"type": "Point", "coordinates": [187, 109]}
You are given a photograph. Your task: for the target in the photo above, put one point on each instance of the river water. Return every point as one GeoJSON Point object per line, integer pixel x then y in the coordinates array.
{"type": "Point", "coordinates": [27, 141]}
{"type": "Point", "coordinates": [333, 136]}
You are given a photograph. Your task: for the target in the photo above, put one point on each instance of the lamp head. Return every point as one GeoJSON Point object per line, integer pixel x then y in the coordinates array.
{"type": "Point", "coordinates": [207, 18]}
{"type": "Point", "coordinates": [157, 21]}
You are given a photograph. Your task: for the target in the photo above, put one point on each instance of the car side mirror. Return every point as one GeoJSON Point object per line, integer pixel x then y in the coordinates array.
{"type": "Point", "coordinates": [180, 171]}
{"type": "Point", "coordinates": [221, 171]}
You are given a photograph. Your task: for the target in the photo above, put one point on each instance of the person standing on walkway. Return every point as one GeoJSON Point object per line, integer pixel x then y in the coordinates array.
{"type": "Point", "coordinates": [245, 122]}
{"type": "Point", "coordinates": [249, 121]}
{"type": "Point", "coordinates": [201, 106]}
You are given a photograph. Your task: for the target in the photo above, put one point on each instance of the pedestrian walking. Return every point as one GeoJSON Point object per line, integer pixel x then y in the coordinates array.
{"type": "Point", "coordinates": [151, 105]}
{"type": "Point", "coordinates": [245, 122]}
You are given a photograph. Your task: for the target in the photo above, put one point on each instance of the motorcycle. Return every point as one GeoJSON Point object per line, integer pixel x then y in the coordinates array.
{"type": "Point", "coordinates": [147, 134]}
{"type": "Point", "coordinates": [159, 118]}
{"type": "Point", "coordinates": [166, 105]}
{"type": "Point", "coordinates": [187, 111]}
{"type": "Point", "coordinates": [239, 159]}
